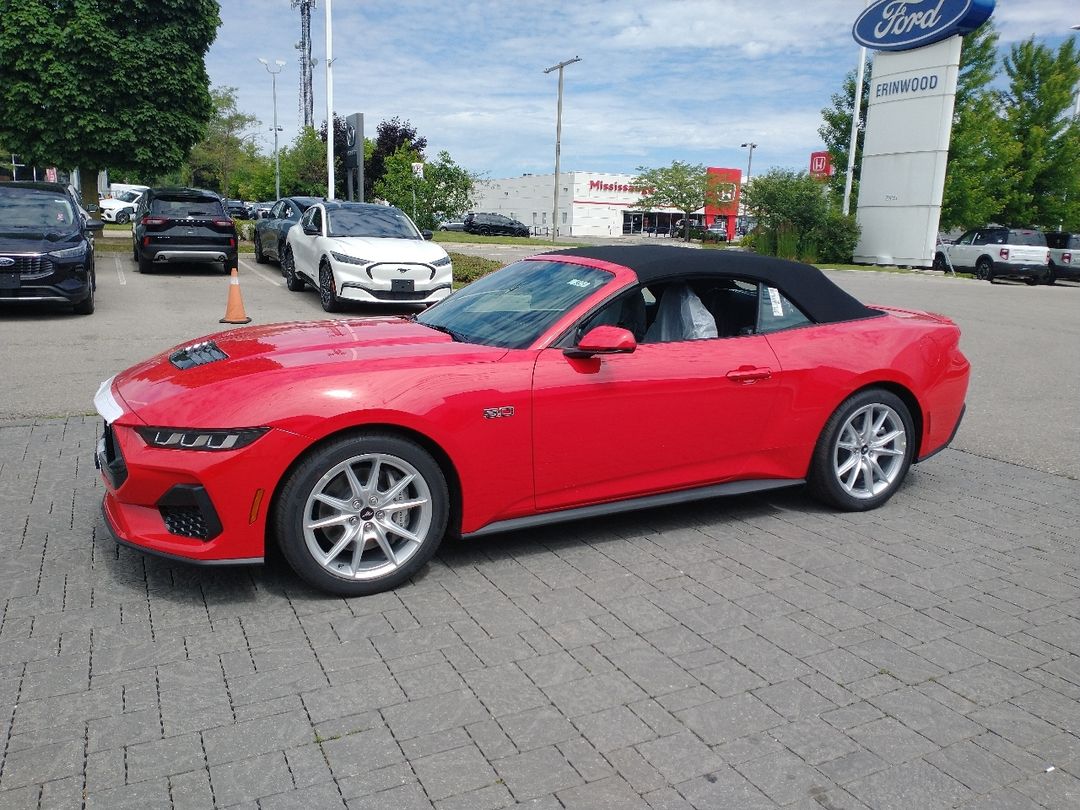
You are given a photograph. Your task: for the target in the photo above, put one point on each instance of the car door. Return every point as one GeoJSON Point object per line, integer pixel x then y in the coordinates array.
{"type": "Point", "coordinates": [669, 415]}
{"type": "Point", "coordinates": [962, 254]}
{"type": "Point", "coordinates": [271, 227]}
{"type": "Point", "coordinates": [305, 246]}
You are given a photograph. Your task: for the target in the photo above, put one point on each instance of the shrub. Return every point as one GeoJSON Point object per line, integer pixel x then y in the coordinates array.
{"type": "Point", "coordinates": [837, 237]}
{"type": "Point", "coordinates": [468, 269]}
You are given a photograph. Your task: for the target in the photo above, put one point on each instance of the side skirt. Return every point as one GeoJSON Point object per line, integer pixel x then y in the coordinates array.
{"type": "Point", "coordinates": [633, 504]}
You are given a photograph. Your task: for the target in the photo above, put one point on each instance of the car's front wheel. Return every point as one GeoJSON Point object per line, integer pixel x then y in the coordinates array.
{"type": "Point", "coordinates": [362, 514]}
{"type": "Point", "coordinates": [864, 451]}
{"type": "Point", "coordinates": [328, 288]}
{"type": "Point", "coordinates": [86, 306]}
{"type": "Point", "coordinates": [123, 218]}
{"type": "Point", "coordinates": [940, 263]}
{"type": "Point", "coordinates": [293, 282]}
{"type": "Point", "coordinates": [260, 257]}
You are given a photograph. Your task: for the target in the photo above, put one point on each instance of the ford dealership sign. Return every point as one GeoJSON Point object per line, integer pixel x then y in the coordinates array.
{"type": "Point", "coordinates": [900, 25]}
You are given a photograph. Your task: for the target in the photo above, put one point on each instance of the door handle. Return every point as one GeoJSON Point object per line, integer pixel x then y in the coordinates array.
{"type": "Point", "coordinates": [749, 374]}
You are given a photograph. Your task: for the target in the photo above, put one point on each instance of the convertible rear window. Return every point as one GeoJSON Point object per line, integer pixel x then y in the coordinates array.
{"type": "Point", "coordinates": [512, 307]}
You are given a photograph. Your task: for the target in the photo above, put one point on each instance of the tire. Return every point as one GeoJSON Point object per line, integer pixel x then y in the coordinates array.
{"type": "Point", "coordinates": [134, 251]}
{"type": "Point", "coordinates": [484, 231]}
{"type": "Point", "coordinates": [940, 263]}
{"type": "Point", "coordinates": [846, 455]}
{"type": "Point", "coordinates": [123, 218]}
{"type": "Point", "coordinates": [1051, 274]}
{"type": "Point", "coordinates": [350, 486]}
{"type": "Point", "coordinates": [328, 288]}
{"type": "Point", "coordinates": [293, 282]}
{"type": "Point", "coordinates": [984, 270]}
{"type": "Point", "coordinates": [86, 306]}
{"type": "Point", "coordinates": [260, 257]}
{"type": "Point", "coordinates": [145, 265]}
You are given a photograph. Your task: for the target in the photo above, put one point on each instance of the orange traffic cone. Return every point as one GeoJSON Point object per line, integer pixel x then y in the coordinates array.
{"type": "Point", "coordinates": [234, 308]}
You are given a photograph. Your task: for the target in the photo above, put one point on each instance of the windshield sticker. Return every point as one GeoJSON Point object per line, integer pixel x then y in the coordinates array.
{"type": "Point", "coordinates": [777, 304]}
{"type": "Point", "coordinates": [576, 282]}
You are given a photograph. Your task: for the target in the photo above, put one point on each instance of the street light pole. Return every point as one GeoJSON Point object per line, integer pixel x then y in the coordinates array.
{"type": "Point", "coordinates": [558, 144]}
{"type": "Point", "coordinates": [329, 101]}
{"type": "Point", "coordinates": [277, 161]}
{"type": "Point", "coordinates": [749, 160]}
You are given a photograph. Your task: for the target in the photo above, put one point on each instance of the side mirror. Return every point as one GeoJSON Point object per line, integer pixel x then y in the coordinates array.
{"type": "Point", "coordinates": [93, 225]}
{"type": "Point", "coordinates": [426, 233]}
{"type": "Point", "coordinates": [92, 209]}
{"type": "Point", "coordinates": [604, 340]}
{"type": "Point", "coordinates": [311, 230]}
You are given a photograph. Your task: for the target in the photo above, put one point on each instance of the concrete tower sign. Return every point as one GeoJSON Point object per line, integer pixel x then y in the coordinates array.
{"type": "Point", "coordinates": [909, 123]}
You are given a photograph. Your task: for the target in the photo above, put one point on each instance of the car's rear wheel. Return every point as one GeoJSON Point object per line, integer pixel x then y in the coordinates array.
{"type": "Point", "coordinates": [293, 282]}
{"type": "Point", "coordinates": [362, 514]}
{"type": "Point", "coordinates": [260, 257]}
{"type": "Point", "coordinates": [328, 288]}
{"type": "Point", "coordinates": [984, 270]}
{"type": "Point", "coordinates": [1051, 274]}
{"type": "Point", "coordinates": [864, 451]}
{"type": "Point", "coordinates": [145, 265]}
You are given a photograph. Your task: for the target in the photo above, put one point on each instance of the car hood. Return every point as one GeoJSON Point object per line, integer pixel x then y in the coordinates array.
{"type": "Point", "coordinates": [12, 242]}
{"type": "Point", "coordinates": [381, 249]}
{"type": "Point", "coordinates": [272, 374]}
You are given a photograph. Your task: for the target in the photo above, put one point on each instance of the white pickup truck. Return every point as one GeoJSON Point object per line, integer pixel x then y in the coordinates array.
{"type": "Point", "coordinates": [995, 252]}
{"type": "Point", "coordinates": [1064, 255]}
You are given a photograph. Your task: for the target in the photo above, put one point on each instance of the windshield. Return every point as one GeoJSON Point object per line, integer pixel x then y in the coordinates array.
{"type": "Point", "coordinates": [35, 210]}
{"type": "Point", "coordinates": [127, 196]}
{"type": "Point", "coordinates": [377, 221]}
{"type": "Point", "coordinates": [512, 307]}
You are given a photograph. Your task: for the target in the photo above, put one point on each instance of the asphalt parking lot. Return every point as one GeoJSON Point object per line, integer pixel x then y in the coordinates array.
{"type": "Point", "coordinates": [742, 653]}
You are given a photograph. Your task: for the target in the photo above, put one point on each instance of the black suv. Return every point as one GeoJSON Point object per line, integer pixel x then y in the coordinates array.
{"type": "Point", "coordinates": [182, 225]}
{"type": "Point", "coordinates": [46, 246]}
{"type": "Point", "coordinates": [494, 224]}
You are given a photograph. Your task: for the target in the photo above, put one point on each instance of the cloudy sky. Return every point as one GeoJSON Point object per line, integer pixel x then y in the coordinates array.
{"type": "Point", "coordinates": [659, 80]}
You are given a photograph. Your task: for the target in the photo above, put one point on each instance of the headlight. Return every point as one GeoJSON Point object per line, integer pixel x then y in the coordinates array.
{"type": "Point", "coordinates": [69, 253]}
{"type": "Point", "coordinates": [445, 260]}
{"type": "Point", "coordinates": [187, 439]}
{"type": "Point", "coordinates": [341, 257]}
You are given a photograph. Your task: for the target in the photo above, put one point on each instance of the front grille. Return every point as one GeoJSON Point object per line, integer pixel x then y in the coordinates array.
{"type": "Point", "coordinates": [389, 295]}
{"type": "Point", "coordinates": [109, 459]}
{"type": "Point", "coordinates": [31, 266]}
{"type": "Point", "coordinates": [198, 354]}
{"type": "Point", "coordinates": [188, 512]}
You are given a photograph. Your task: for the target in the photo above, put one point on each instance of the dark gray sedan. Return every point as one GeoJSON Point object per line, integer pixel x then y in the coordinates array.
{"type": "Point", "coordinates": [271, 231]}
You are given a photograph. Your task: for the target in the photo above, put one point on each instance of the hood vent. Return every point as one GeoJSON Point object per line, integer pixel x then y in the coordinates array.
{"type": "Point", "coordinates": [197, 354]}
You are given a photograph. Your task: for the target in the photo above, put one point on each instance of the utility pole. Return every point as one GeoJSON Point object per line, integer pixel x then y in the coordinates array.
{"type": "Point", "coordinates": [307, 98]}
{"type": "Point", "coordinates": [329, 100]}
{"type": "Point", "coordinates": [558, 144]}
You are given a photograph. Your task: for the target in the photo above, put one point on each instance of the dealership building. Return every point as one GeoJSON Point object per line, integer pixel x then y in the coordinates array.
{"type": "Point", "coordinates": [590, 204]}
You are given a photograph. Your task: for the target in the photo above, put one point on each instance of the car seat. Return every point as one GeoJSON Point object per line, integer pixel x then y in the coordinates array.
{"type": "Point", "coordinates": [680, 316]}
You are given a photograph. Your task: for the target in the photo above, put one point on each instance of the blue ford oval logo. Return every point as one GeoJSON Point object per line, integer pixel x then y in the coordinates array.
{"type": "Point", "coordinates": [900, 25]}
{"type": "Point", "coordinates": [6, 262]}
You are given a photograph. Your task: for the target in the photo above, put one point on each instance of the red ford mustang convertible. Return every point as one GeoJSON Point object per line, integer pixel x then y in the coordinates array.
{"type": "Point", "coordinates": [578, 383]}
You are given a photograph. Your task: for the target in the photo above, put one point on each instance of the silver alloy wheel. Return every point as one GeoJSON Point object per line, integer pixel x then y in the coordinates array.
{"type": "Point", "coordinates": [869, 453]}
{"type": "Point", "coordinates": [367, 516]}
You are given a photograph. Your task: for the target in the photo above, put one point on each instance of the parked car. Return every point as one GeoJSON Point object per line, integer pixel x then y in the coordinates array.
{"type": "Point", "coordinates": [238, 209]}
{"type": "Point", "coordinates": [46, 246]}
{"type": "Point", "coordinates": [261, 210]}
{"type": "Point", "coordinates": [365, 253]}
{"type": "Point", "coordinates": [450, 225]}
{"type": "Point", "coordinates": [182, 225]}
{"type": "Point", "coordinates": [354, 446]}
{"type": "Point", "coordinates": [717, 232]}
{"type": "Point", "coordinates": [119, 208]}
{"type": "Point", "coordinates": [1064, 256]}
{"type": "Point", "coordinates": [994, 252]}
{"type": "Point", "coordinates": [493, 225]}
{"type": "Point", "coordinates": [271, 231]}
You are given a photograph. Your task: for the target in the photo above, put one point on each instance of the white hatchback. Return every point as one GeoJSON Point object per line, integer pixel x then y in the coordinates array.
{"type": "Point", "coordinates": [365, 253]}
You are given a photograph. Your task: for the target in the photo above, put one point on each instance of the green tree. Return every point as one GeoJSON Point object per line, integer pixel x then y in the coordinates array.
{"type": "Point", "coordinates": [978, 179]}
{"type": "Point", "coordinates": [303, 165]}
{"type": "Point", "coordinates": [683, 186]}
{"type": "Point", "coordinates": [390, 136]}
{"type": "Point", "coordinates": [1038, 116]}
{"type": "Point", "coordinates": [795, 218]}
{"type": "Point", "coordinates": [446, 190]}
{"type": "Point", "coordinates": [226, 145]}
{"type": "Point", "coordinates": [105, 85]}
{"type": "Point", "coordinates": [835, 131]}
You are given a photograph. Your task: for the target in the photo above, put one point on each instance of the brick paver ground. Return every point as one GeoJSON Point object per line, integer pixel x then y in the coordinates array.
{"type": "Point", "coordinates": [743, 653]}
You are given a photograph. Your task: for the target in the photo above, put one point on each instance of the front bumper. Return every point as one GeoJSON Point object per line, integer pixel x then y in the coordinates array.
{"type": "Point", "coordinates": [198, 506]}
{"type": "Point", "coordinates": [393, 282]}
{"type": "Point", "coordinates": [41, 278]}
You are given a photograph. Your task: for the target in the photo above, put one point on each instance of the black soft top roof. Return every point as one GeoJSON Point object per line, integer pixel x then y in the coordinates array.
{"type": "Point", "coordinates": [818, 297]}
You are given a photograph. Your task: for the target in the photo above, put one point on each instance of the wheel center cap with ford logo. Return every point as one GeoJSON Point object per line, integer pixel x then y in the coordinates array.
{"type": "Point", "coordinates": [901, 25]}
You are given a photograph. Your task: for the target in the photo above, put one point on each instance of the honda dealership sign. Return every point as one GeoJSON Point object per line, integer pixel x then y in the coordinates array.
{"type": "Point", "coordinates": [909, 122]}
